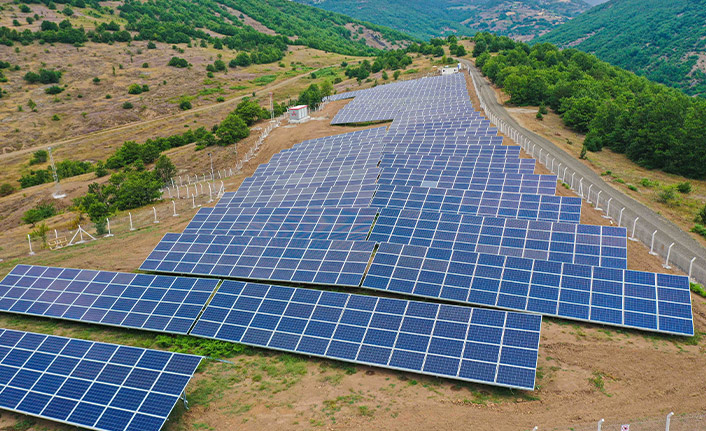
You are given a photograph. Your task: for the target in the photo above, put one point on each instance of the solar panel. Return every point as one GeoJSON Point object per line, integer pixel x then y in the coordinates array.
{"type": "Point", "coordinates": [310, 179]}
{"type": "Point", "coordinates": [338, 196]}
{"type": "Point", "coordinates": [558, 242]}
{"type": "Point", "coordinates": [470, 179]}
{"type": "Point", "coordinates": [316, 223]}
{"type": "Point", "coordinates": [492, 165]}
{"type": "Point", "coordinates": [471, 344]}
{"type": "Point", "coordinates": [473, 154]}
{"type": "Point", "coordinates": [140, 301]}
{"type": "Point", "coordinates": [495, 204]}
{"type": "Point", "coordinates": [92, 385]}
{"type": "Point", "coordinates": [340, 263]}
{"type": "Point", "coordinates": [618, 297]}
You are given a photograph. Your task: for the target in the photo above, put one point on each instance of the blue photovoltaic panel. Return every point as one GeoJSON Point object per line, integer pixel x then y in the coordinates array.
{"type": "Point", "coordinates": [141, 301]}
{"type": "Point", "coordinates": [91, 385]}
{"type": "Point", "coordinates": [331, 263]}
{"type": "Point", "coordinates": [339, 196]}
{"type": "Point", "coordinates": [494, 166]}
{"type": "Point", "coordinates": [558, 242]}
{"type": "Point", "coordinates": [478, 345]}
{"type": "Point", "coordinates": [316, 223]}
{"type": "Point", "coordinates": [470, 179]}
{"type": "Point", "coordinates": [310, 179]}
{"type": "Point", "coordinates": [633, 299]}
{"type": "Point", "coordinates": [495, 204]}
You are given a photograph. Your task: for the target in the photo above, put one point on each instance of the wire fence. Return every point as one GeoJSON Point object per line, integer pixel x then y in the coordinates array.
{"type": "Point", "coordinates": [674, 252]}
{"type": "Point", "coordinates": [183, 196]}
{"type": "Point", "coordinates": [670, 422]}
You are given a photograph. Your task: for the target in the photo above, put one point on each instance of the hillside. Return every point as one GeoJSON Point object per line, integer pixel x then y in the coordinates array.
{"type": "Point", "coordinates": [425, 19]}
{"type": "Point", "coordinates": [663, 41]}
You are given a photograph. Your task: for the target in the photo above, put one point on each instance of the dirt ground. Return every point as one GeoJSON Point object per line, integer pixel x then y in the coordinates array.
{"type": "Point", "coordinates": [585, 372]}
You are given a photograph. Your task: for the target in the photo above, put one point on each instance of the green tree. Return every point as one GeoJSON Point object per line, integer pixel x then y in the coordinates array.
{"type": "Point", "coordinates": [40, 212]}
{"type": "Point", "coordinates": [232, 129]}
{"type": "Point", "coordinates": [164, 169]}
{"type": "Point", "coordinates": [39, 157]}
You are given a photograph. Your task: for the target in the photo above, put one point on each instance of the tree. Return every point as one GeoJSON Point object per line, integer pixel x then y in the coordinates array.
{"type": "Point", "coordinates": [185, 104]}
{"type": "Point", "coordinates": [178, 62]}
{"type": "Point", "coordinates": [311, 96]}
{"type": "Point", "coordinates": [164, 169]}
{"type": "Point", "coordinates": [250, 111]}
{"type": "Point", "coordinates": [6, 189]}
{"type": "Point", "coordinates": [40, 212]}
{"type": "Point", "coordinates": [39, 157]}
{"type": "Point", "coordinates": [396, 75]}
{"type": "Point", "coordinates": [232, 129]}
{"type": "Point", "coordinates": [326, 88]}
{"type": "Point", "coordinates": [242, 60]}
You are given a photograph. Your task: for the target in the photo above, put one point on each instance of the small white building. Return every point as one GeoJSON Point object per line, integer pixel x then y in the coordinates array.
{"type": "Point", "coordinates": [448, 70]}
{"type": "Point", "coordinates": [298, 114]}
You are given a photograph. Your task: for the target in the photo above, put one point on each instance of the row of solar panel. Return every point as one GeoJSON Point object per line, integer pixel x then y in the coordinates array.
{"type": "Point", "coordinates": [460, 342]}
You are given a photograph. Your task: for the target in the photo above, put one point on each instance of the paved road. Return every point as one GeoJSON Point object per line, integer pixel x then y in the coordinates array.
{"type": "Point", "coordinates": [685, 247]}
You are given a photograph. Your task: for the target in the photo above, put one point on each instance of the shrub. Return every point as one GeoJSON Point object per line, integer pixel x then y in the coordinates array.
{"type": "Point", "coordinates": [185, 105]}
{"type": "Point", "coordinates": [178, 62]}
{"type": "Point", "coordinates": [101, 171]}
{"type": "Point", "coordinates": [55, 117]}
{"type": "Point", "coordinates": [151, 45]}
{"type": "Point", "coordinates": [34, 178]}
{"type": "Point", "coordinates": [220, 99]}
{"type": "Point", "coordinates": [645, 182]}
{"type": "Point", "coordinates": [44, 76]}
{"type": "Point", "coordinates": [701, 216]}
{"type": "Point", "coordinates": [164, 169]}
{"type": "Point", "coordinates": [134, 89]}
{"type": "Point", "coordinates": [667, 196]}
{"type": "Point", "coordinates": [39, 157]}
{"type": "Point", "coordinates": [684, 188]}
{"type": "Point", "coordinates": [632, 187]}
{"type": "Point", "coordinates": [108, 96]}
{"type": "Point", "coordinates": [697, 289]}
{"type": "Point", "coordinates": [6, 189]}
{"type": "Point", "coordinates": [54, 89]}
{"type": "Point", "coordinates": [700, 229]}
{"type": "Point", "coordinates": [232, 129]}
{"type": "Point", "coordinates": [96, 80]}
{"type": "Point", "coordinates": [127, 105]}
{"type": "Point", "coordinates": [39, 212]}
{"type": "Point", "coordinates": [145, 65]}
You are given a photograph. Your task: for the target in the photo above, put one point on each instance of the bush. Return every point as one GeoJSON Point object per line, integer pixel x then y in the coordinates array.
{"type": "Point", "coordinates": [127, 105]}
{"type": "Point", "coordinates": [145, 65]}
{"type": "Point", "coordinates": [44, 76]}
{"type": "Point", "coordinates": [632, 187]}
{"type": "Point", "coordinates": [39, 157]}
{"type": "Point", "coordinates": [34, 178]}
{"type": "Point", "coordinates": [178, 62]}
{"type": "Point", "coordinates": [54, 89]}
{"type": "Point", "coordinates": [6, 189]}
{"type": "Point", "coordinates": [232, 129]}
{"type": "Point", "coordinates": [40, 212]}
{"type": "Point", "coordinates": [697, 289]}
{"type": "Point", "coordinates": [151, 45]}
{"type": "Point", "coordinates": [101, 171]}
{"type": "Point", "coordinates": [701, 216]}
{"type": "Point", "coordinates": [55, 117]}
{"type": "Point", "coordinates": [700, 229]}
{"type": "Point", "coordinates": [684, 188]}
{"type": "Point", "coordinates": [667, 196]}
{"type": "Point", "coordinates": [134, 89]}
{"type": "Point", "coordinates": [645, 182]}
{"type": "Point", "coordinates": [185, 105]}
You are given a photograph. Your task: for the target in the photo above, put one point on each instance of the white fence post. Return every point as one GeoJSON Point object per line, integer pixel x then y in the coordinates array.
{"type": "Point", "coordinates": [600, 424]}
{"type": "Point", "coordinates": [652, 245]}
{"type": "Point", "coordinates": [666, 261]}
{"type": "Point", "coordinates": [691, 266]}
{"type": "Point", "coordinates": [29, 240]}
{"type": "Point", "coordinates": [620, 219]}
{"type": "Point", "coordinates": [607, 209]}
{"type": "Point", "coordinates": [634, 224]}
{"type": "Point", "coordinates": [109, 233]}
{"type": "Point", "coordinates": [131, 228]}
{"type": "Point", "coordinates": [174, 209]}
{"type": "Point", "coordinates": [154, 210]}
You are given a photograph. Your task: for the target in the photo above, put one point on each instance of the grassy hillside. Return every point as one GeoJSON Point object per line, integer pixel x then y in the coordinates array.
{"type": "Point", "coordinates": [249, 25]}
{"type": "Point", "coordinates": [432, 18]}
{"type": "Point", "coordinates": [664, 41]}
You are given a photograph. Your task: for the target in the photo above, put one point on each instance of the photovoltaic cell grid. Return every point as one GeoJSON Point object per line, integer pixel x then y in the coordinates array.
{"type": "Point", "coordinates": [433, 144]}
{"type": "Point", "coordinates": [316, 223]}
{"type": "Point", "coordinates": [633, 299]}
{"type": "Point", "coordinates": [494, 165]}
{"type": "Point", "coordinates": [310, 179]}
{"type": "Point", "coordinates": [495, 204]}
{"type": "Point", "coordinates": [140, 301]}
{"type": "Point", "coordinates": [558, 242]}
{"type": "Point", "coordinates": [470, 154]}
{"type": "Point", "coordinates": [88, 384]}
{"type": "Point", "coordinates": [337, 196]}
{"type": "Point", "coordinates": [330, 263]}
{"type": "Point", "coordinates": [470, 179]}
{"type": "Point", "coordinates": [478, 345]}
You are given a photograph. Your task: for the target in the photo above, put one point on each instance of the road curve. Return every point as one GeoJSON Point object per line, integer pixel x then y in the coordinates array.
{"type": "Point", "coordinates": [685, 247]}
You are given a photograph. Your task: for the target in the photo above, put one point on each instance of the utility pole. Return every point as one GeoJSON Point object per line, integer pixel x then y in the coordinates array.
{"type": "Point", "coordinates": [58, 194]}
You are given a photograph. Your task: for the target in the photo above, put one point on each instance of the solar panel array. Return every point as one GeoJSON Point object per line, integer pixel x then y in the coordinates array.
{"type": "Point", "coordinates": [434, 207]}
{"type": "Point", "coordinates": [91, 385]}
{"type": "Point", "coordinates": [558, 242]}
{"type": "Point", "coordinates": [140, 301]}
{"type": "Point", "coordinates": [325, 262]}
{"type": "Point", "coordinates": [486, 346]}
{"type": "Point", "coordinates": [642, 300]}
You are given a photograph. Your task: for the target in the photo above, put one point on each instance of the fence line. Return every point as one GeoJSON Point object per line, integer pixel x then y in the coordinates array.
{"type": "Point", "coordinates": [659, 243]}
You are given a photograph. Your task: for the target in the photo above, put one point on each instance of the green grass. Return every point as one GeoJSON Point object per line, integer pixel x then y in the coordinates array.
{"type": "Point", "coordinates": [264, 80]}
{"type": "Point", "coordinates": [698, 289]}
{"type": "Point", "coordinates": [598, 380]}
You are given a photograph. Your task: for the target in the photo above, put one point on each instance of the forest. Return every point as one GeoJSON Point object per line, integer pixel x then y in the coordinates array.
{"type": "Point", "coordinates": [219, 22]}
{"type": "Point", "coordinates": [658, 39]}
{"type": "Point", "coordinates": [655, 126]}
